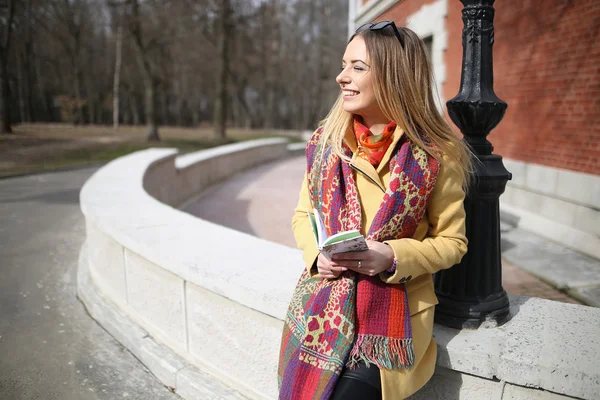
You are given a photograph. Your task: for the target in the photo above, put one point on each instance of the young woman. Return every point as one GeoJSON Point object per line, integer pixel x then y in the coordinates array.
{"type": "Point", "coordinates": [383, 161]}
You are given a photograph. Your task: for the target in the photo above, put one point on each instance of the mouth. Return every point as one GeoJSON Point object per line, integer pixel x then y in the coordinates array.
{"type": "Point", "coordinates": [349, 93]}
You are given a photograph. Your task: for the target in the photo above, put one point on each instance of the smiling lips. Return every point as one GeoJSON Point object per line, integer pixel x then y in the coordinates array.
{"type": "Point", "coordinates": [349, 93]}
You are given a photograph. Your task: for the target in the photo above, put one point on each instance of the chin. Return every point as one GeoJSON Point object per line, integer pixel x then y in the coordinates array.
{"type": "Point", "coordinates": [351, 109]}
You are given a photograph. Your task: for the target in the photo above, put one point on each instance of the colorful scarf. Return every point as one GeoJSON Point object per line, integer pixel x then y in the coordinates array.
{"type": "Point", "coordinates": [370, 147]}
{"type": "Point", "coordinates": [335, 322]}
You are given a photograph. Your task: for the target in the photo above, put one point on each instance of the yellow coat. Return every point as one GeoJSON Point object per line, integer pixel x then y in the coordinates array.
{"type": "Point", "coordinates": [438, 243]}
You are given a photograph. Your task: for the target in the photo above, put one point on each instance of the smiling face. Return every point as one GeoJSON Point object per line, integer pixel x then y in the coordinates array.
{"type": "Point", "coordinates": [356, 81]}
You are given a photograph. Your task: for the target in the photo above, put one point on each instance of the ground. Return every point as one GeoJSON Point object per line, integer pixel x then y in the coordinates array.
{"type": "Point", "coordinates": [40, 147]}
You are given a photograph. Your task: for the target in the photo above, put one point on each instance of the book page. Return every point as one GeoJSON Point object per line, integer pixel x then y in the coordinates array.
{"type": "Point", "coordinates": [341, 236]}
{"type": "Point", "coordinates": [313, 225]}
{"type": "Point", "coordinates": [320, 229]}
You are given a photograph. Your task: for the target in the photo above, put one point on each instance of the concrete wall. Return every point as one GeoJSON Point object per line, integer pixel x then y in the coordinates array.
{"type": "Point", "coordinates": [561, 205]}
{"type": "Point", "coordinates": [199, 305]}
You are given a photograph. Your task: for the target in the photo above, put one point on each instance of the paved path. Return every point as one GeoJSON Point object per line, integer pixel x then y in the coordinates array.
{"type": "Point", "coordinates": [261, 202]}
{"type": "Point", "coordinates": [49, 346]}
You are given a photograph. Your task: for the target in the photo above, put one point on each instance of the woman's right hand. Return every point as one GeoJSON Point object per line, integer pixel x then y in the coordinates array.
{"type": "Point", "coordinates": [327, 268]}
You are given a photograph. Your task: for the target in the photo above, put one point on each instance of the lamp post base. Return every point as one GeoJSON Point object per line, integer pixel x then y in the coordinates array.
{"type": "Point", "coordinates": [490, 312]}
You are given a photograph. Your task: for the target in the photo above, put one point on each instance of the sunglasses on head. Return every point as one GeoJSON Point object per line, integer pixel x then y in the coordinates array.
{"type": "Point", "coordinates": [378, 26]}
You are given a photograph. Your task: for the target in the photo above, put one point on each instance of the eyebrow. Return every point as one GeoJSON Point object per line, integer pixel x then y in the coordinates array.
{"type": "Point", "coordinates": [357, 60]}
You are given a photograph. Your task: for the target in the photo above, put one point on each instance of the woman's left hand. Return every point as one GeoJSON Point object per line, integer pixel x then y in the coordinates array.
{"type": "Point", "coordinates": [370, 262]}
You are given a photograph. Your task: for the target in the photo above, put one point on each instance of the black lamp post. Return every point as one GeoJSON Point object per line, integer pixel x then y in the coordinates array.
{"type": "Point", "coordinates": [471, 292]}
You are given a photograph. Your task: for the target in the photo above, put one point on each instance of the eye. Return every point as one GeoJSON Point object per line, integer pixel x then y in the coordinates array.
{"type": "Point", "coordinates": [357, 68]}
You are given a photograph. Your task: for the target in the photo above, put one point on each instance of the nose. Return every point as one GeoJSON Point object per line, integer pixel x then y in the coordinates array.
{"type": "Point", "coordinates": [342, 77]}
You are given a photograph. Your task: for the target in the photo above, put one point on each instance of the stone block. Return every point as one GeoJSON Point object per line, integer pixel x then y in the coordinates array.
{"type": "Point", "coordinates": [557, 210]}
{"type": "Point", "coordinates": [195, 384]}
{"type": "Point", "coordinates": [161, 361]}
{"type": "Point", "coordinates": [474, 352]}
{"type": "Point", "coordinates": [451, 385]}
{"type": "Point", "coordinates": [518, 169]}
{"type": "Point", "coordinates": [554, 346]}
{"type": "Point", "coordinates": [506, 197]}
{"type": "Point", "coordinates": [579, 187]}
{"type": "Point", "coordinates": [107, 268]}
{"type": "Point", "coordinates": [241, 345]}
{"type": "Point", "coordinates": [157, 297]}
{"type": "Point", "coordinates": [107, 313]}
{"type": "Point", "coordinates": [587, 219]}
{"type": "Point", "coordinates": [512, 392]}
{"type": "Point", "coordinates": [541, 179]}
{"type": "Point", "coordinates": [587, 295]}
{"type": "Point", "coordinates": [526, 200]}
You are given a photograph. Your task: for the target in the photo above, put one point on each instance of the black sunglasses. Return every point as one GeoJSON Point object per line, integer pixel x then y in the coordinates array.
{"type": "Point", "coordinates": [378, 26]}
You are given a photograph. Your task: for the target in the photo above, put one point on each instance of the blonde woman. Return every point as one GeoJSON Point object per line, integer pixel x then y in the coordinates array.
{"type": "Point", "coordinates": [385, 162]}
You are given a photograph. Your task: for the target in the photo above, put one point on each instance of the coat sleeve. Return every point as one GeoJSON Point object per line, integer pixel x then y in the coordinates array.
{"type": "Point", "coordinates": [302, 230]}
{"type": "Point", "coordinates": [445, 243]}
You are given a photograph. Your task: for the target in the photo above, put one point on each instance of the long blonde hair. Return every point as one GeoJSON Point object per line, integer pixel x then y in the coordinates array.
{"type": "Point", "coordinates": [404, 87]}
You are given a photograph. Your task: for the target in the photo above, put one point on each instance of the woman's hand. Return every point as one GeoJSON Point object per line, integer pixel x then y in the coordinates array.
{"type": "Point", "coordinates": [370, 262]}
{"type": "Point", "coordinates": [327, 268]}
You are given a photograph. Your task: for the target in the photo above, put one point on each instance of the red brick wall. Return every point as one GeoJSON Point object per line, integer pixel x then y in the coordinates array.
{"type": "Point", "coordinates": [547, 68]}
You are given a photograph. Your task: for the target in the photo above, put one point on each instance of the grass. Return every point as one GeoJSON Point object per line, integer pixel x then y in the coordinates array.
{"type": "Point", "coordinates": [44, 147]}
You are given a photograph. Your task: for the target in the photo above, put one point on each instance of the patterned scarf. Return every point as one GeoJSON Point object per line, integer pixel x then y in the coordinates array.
{"type": "Point", "coordinates": [337, 322]}
{"type": "Point", "coordinates": [370, 147]}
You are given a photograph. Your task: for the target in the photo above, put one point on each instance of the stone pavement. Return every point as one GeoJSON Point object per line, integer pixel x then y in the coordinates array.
{"type": "Point", "coordinates": [260, 202]}
{"type": "Point", "coordinates": [50, 348]}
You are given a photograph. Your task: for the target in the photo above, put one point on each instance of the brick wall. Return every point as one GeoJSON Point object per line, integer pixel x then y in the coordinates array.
{"type": "Point", "coordinates": [547, 68]}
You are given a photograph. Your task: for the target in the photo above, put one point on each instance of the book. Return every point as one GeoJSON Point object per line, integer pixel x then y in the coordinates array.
{"type": "Point", "coordinates": [341, 242]}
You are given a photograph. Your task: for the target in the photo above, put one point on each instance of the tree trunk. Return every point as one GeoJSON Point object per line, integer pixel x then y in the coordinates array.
{"type": "Point", "coordinates": [133, 103]}
{"type": "Point", "coordinates": [28, 88]}
{"type": "Point", "coordinates": [220, 110]}
{"type": "Point", "coordinates": [149, 81]}
{"type": "Point", "coordinates": [77, 87]}
{"type": "Point", "coordinates": [164, 104]}
{"type": "Point", "coordinates": [117, 78]}
{"type": "Point", "coordinates": [150, 108]}
{"type": "Point", "coordinates": [5, 126]}
{"type": "Point", "coordinates": [42, 92]}
{"type": "Point", "coordinates": [21, 88]}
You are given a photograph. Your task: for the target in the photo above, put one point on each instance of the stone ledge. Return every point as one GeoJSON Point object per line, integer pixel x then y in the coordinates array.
{"type": "Point", "coordinates": [173, 371]}
{"type": "Point", "coordinates": [546, 344]}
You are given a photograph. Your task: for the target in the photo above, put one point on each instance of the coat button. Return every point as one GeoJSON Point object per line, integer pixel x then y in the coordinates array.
{"type": "Point", "coordinates": [408, 278]}
{"type": "Point", "coordinates": [402, 280]}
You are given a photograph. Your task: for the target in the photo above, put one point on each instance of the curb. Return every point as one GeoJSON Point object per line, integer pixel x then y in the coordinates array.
{"type": "Point", "coordinates": [176, 373]}
{"type": "Point", "coordinates": [52, 170]}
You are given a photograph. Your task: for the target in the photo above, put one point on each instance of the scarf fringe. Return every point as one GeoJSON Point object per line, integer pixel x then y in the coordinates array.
{"type": "Point", "coordinates": [382, 351]}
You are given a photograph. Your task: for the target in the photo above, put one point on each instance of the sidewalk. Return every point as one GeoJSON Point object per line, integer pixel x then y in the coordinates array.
{"type": "Point", "coordinates": [260, 202]}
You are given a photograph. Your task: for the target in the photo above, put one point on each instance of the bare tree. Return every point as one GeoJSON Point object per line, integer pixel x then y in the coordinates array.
{"type": "Point", "coordinates": [260, 63]}
{"type": "Point", "coordinates": [6, 18]}
{"type": "Point", "coordinates": [150, 81]}
{"type": "Point", "coordinates": [116, 18]}
{"type": "Point", "coordinates": [220, 110]}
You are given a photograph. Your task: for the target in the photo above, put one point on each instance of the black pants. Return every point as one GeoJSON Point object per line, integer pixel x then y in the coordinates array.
{"type": "Point", "coordinates": [362, 383]}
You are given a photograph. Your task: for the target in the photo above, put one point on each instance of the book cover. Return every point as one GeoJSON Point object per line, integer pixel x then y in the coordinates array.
{"type": "Point", "coordinates": [341, 242]}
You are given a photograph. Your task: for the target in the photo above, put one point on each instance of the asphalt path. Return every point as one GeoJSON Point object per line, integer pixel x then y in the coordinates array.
{"type": "Point", "coordinates": [50, 348]}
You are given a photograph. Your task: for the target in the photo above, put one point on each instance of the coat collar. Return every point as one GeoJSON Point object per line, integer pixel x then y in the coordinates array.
{"type": "Point", "coordinates": [364, 166]}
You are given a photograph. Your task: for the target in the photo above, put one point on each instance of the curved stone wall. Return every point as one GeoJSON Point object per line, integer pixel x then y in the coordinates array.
{"type": "Point", "coordinates": [197, 287]}
{"type": "Point", "coordinates": [199, 305]}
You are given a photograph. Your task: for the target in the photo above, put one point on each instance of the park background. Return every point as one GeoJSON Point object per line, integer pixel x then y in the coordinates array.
{"type": "Point", "coordinates": [84, 82]}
